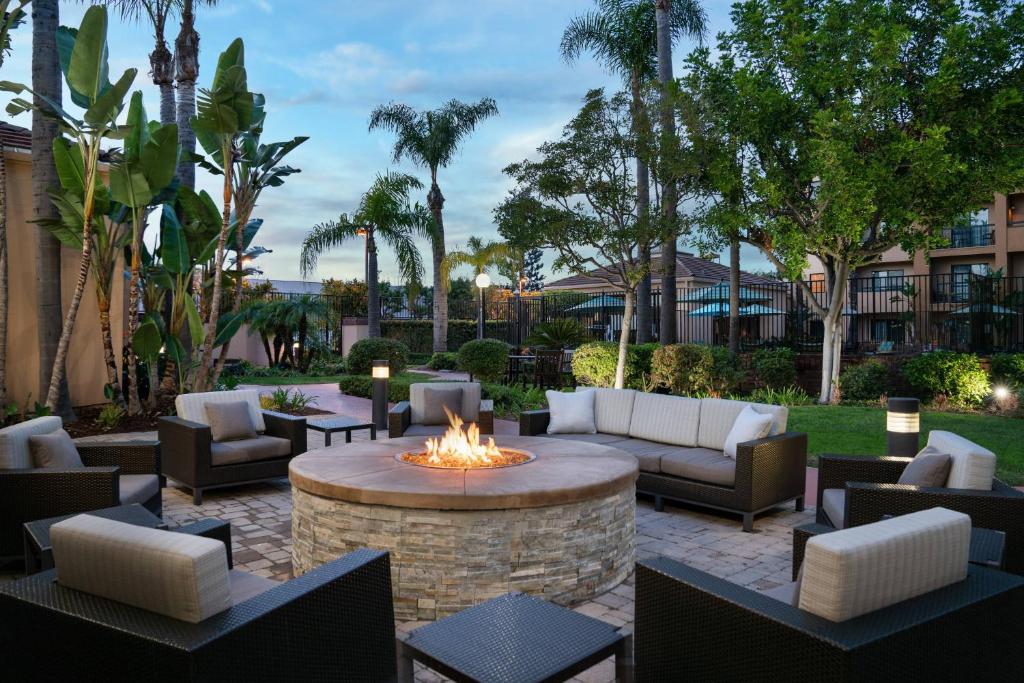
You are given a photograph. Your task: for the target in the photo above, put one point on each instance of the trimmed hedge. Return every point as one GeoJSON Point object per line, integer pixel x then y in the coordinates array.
{"type": "Point", "coordinates": [418, 335]}
{"type": "Point", "coordinates": [509, 401]}
{"type": "Point", "coordinates": [445, 360]}
{"type": "Point", "coordinates": [775, 368]}
{"type": "Point", "coordinates": [365, 351]}
{"type": "Point", "coordinates": [684, 369]}
{"type": "Point", "coordinates": [484, 359]}
{"type": "Point", "coordinates": [1008, 367]}
{"type": "Point", "coordinates": [957, 376]}
{"type": "Point", "coordinates": [865, 382]}
{"type": "Point", "coordinates": [594, 363]}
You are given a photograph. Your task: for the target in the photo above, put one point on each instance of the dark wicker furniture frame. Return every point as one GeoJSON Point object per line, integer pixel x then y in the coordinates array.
{"type": "Point", "coordinates": [694, 626]}
{"type": "Point", "coordinates": [769, 472]}
{"type": "Point", "coordinates": [872, 493]}
{"type": "Point", "coordinates": [335, 623]}
{"type": "Point", "coordinates": [37, 493]}
{"type": "Point", "coordinates": [186, 447]}
{"type": "Point", "coordinates": [400, 417]}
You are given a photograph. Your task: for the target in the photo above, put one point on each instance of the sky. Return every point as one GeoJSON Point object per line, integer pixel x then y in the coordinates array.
{"type": "Point", "coordinates": [324, 65]}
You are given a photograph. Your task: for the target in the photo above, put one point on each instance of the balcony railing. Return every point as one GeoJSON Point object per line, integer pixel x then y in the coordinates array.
{"type": "Point", "coordinates": [974, 235]}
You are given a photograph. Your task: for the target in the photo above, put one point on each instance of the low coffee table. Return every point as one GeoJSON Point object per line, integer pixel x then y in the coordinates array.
{"type": "Point", "coordinates": [329, 425]}
{"type": "Point", "coordinates": [39, 552]}
{"type": "Point", "coordinates": [515, 638]}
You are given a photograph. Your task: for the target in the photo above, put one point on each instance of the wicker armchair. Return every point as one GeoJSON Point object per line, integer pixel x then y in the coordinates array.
{"type": "Point", "coordinates": [335, 623]}
{"type": "Point", "coordinates": [691, 625]}
{"type": "Point", "coordinates": [872, 493]}
{"type": "Point", "coordinates": [404, 418]}
{"type": "Point", "coordinates": [28, 494]}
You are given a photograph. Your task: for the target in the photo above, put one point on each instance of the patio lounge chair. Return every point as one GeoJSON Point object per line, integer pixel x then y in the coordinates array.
{"type": "Point", "coordinates": [421, 415]}
{"type": "Point", "coordinates": [194, 458]}
{"type": "Point", "coordinates": [926, 615]}
{"type": "Point", "coordinates": [147, 605]}
{"type": "Point", "coordinates": [113, 474]}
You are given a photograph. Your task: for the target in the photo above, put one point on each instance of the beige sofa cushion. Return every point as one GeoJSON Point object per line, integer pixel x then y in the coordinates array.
{"type": "Point", "coordinates": [610, 439]}
{"type": "Point", "coordinates": [178, 575]}
{"type": "Point", "coordinates": [647, 453]}
{"type": "Point", "coordinates": [470, 400]}
{"type": "Point", "coordinates": [700, 464]}
{"type": "Point", "coordinates": [192, 407]}
{"type": "Point", "coordinates": [14, 450]}
{"type": "Point", "coordinates": [717, 416]}
{"type": "Point", "coordinates": [666, 419]}
{"type": "Point", "coordinates": [230, 421]}
{"type": "Point", "coordinates": [973, 466]}
{"type": "Point", "coordinates": [137, 488]}
{"type": "Point", "coordinates": [865, 568]}
{"type": "Point", "coordinates": [613, 409]}
{"type": "Point", "coordinates": [249, 450]}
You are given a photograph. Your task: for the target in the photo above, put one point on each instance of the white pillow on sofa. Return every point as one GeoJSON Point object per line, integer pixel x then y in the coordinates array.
{"type": "Point", "coordinates": [749, 425]}
{"type": "Point", "coordinates": [571, 413]}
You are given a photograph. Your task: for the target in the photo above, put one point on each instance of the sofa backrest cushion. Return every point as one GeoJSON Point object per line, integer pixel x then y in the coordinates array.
{"type": "Point", "coordinates": [437, 399]}
{"type": "Point", "coordinates": [178, 575]}
{"type": "Point", "coordinates": [666, 419]}
{"type": "Point", "coordinates": [718, 415]}
{"type": "Point", "coordinates": [14, 449]}
{"type": "Point", "coordinates": [230, 421]}
{"type": "Point", "coordinates": [470, 400]}
{"type": "Point", "coordinates": [865, 568]}
{"type": "Point", "coordinates": [972, 466]}
{"type": "Point", "coordinates": [571, 413]}
{"type": "Point", "coordinates": [613, 409]}
{"type": "Point", "coordinates": [55, 449]}
{"type": "Point", "coordinates": [192, 407]}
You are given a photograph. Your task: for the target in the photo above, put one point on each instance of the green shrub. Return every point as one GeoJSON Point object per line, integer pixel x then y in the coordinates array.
{"type": "Point", "coordinates": [956, 376]}
{"type": "Point", "coordinates": [286, 400]}
{"type": "Point", "coordinates": [417, 359]}
{"type": "Point", "coordinates": [362, 386]}
{"type": "Point", "coordinates": [727, 374]}
{"type": "Point", "coordinates": [865, 382]}
{"type": "Point", "coordinates": [1009, 368]}
{"type": "Point", "coordinates": [326, 365]}
{"type": "Point", "coordinates": [684, 369]}
{"type": "Point", "coordinates": [594, 363]}
{"type": "Point", "coordinates": [775, 368]}
{"type": "Point", "coordinates": [418, 335]}
{"type": "Point", "coordinates": [560, 333]}
{"type": "Point", "coordinates": [789, 396]}
{"type": "Point", "coordinates": [444, 361]}
{"type": "Point", "coordinates": [365, 351]}
{"type": "Point", "coordinates": [510, 400]}
{"type": "Point", "coordinates": [484, 359]}
{"type": "Point", "coordinates": [109, 417]}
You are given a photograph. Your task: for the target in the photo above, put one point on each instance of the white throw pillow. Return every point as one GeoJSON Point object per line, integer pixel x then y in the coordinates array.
{"type": "Point", "coordinates": [571, 413]}
{"type": "Point", "coordinates": [749, 426]}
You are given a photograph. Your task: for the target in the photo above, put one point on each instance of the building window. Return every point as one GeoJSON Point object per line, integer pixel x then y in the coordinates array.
{"type": "Point", "coordinates": [817, 282]}
{"type": "Point", "coordinates": [887, 330]}
{"type": "Point", "coordinates": [887, 280]}
{"type": "Point", "coordinates": [961, 277]}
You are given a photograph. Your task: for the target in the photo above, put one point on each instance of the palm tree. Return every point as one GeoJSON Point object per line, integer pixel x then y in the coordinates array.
{"type": "Point", "coordinates": [384, 214]}
{"type": "Point", "coordinates": [622, 35]}
{"type": "Point", "coordinates": [479, 256]}
{"type": "Point", "coordinates": [10, 19]}
{"type": "Point", "coordinates": [186, 73]}
{"type": "Point", "coordinates": [430, 139]}
{"type": "Point", "coordinates": [161, 61]}
{"type": "Point", "coordinates": [297, 314]}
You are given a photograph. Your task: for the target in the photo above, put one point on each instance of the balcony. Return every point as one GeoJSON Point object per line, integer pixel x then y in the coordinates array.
{"type": "Point", "coordinates": [972, 235]}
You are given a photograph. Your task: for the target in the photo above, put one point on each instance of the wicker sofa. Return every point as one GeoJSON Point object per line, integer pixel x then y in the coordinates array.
{"type": "Point", "coordinates": [406, 418]}
{"type": "Point", "coordinates": [678, 443]}
{"type": "Point", "coordinates": [114, 474]}
{"type": "Point", "coordinates": [194, 459]}
{"type": "Point", "coordinates": [958, 622]}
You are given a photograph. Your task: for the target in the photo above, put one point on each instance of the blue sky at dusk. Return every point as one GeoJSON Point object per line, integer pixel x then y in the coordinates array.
{"type": "Point", "coordinates": [324, 65]}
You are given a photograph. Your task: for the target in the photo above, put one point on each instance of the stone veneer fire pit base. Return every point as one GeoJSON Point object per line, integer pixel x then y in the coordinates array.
{"type": "Point", "coordinates": [563, 530]}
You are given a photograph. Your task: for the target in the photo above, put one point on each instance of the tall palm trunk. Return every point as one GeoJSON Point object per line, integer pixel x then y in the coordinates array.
{"type": "Point", "coordinates": [161, 64]}
{"type": "Point", "coordinates": [109, 358]}
{"type": "Point", "coordinates": [669, 195]}
{"type": "Point", "coordinates": [134, 286]}
{"type": "Point", "coordinates": [46, 82]}
{"type": "Point", "coordinates": [203, 373]}
{"type": "Point", "coordinates": [627, 317]}
{"type": "Point", "coordinates": [435, 201]}
{"type": "Point", "coordinates": [373, 287]}
{"type": "Point", "coordinates": [734, 296]}
{"type": "Point", "coordinates": [3, 278]}
{"type": "Point", "coordinates": [643, 203]}
{"type": "Point", "coordinates": [186, 60]}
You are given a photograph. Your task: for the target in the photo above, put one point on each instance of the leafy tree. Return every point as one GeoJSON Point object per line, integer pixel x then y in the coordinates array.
{"type": "Point", "coordinates": [911, 120]}
{"type": "Point", "coordinates": [532, 270]}
{"type": "Point", "coordinates": [83, 61]}
{"type": "Point", "coordinates": [430, 139]}
{"type": "Point", "coordinates": [385, 214]}
{"type": "Point", "coordinates": [580, 200]}
{"type": "Point", "coordinates": [479, 256]}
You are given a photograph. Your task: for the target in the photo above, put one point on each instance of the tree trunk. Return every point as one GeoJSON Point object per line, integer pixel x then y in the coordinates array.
{"type": "Point", "coordinates": [153, 366]}
{"type": "Point", "coordinates": [3, 278]}
{"type": "Point", "coordinates": [203, 372]}
{"type": "Point", "coordinates": [832, 343]}
{"type": "Point", "coordinates": [663, 10]}
{"type": "Point", "coordinates": [303, 359]}
{"type": "Point", "coordinates": [435, 200]}
{"type": "Point", "coordinates": [627, 316]}
{"type": "Point", "coordinates": [734, 296]}
{"type": "Point", "coordinates": [109, 358]}
{"type": "Point", "coordinates": [241, 220]}
{"type": "Point", "coordinates": [373, 288]}
{"type": "Point", "coordinates": [643, 203]}
{"type": "Point", "coordinates": [161, 63]}
{"type": "Point", "coordinates": [186, 60]}
{"type": "Point", "coordinates": [267, 350]}
{"type": "Point", "coordinates": [134, 285]}
{"type": "Point", "coordinates": [60, 361]}
{"type": "Point", "coordinates": [46, 81]}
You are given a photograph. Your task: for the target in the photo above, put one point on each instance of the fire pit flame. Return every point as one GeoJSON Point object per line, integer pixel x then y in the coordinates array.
{"type": "Point", "coordinates": [461, 448]}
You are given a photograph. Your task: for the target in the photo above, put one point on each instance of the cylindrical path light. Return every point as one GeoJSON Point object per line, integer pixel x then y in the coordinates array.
{"type": "Point", "coordinates": [903, 426]}
{"type": "Point", "coordinates": [381, 372]}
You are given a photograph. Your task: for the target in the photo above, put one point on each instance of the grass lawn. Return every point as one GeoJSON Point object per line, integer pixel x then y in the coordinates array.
{"type": "Point", "coordinates": [860, 430]}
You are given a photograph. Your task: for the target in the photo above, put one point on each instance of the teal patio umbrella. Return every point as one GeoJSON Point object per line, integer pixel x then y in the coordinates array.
{"type": "Point", "coordinates": [599, 302]}
{"type": "Point", "coordinates": [720, 292]}
{"type": "Point", "coordinates": [758, 309]}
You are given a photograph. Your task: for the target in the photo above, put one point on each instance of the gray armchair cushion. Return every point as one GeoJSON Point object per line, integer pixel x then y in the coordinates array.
{"type": "Point", "coordinates": [700, 464]}
{"type": "Point", "coordinates": [436, 399]}
{"type": "Point", "coordinates": [230, 421]}
{"type": "Point", "coordinates": [138, 488]}
{"type": "Point", "coordinates": [14, 451]}
{"type": "Point", "coordinates": [929, 468]}
{"type": "Point", "coordinates": [249, 450]}
{"type": "Point", "coordinates": [833, 502]}
{"type": "Point", "coordinates": [55, 449]}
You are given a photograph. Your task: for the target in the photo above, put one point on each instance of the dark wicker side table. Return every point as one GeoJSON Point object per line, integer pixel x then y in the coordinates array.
{"type": "Point", "coordinates": [329, 425]}
{"type": "Point", "coordinates": [515, 638]}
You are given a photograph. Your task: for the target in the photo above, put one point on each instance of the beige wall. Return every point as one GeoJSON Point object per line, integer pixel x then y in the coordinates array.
{"type": "Point", "coordinates": [85, 366]}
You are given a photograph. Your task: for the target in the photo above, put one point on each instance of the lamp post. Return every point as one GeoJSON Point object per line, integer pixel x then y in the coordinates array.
{"type": "Point", "coordinates": [381, 372]}
{"type": "Point", "coordinates": [903, 426]}
{"type": "Point", "coordinates": [483, 281]}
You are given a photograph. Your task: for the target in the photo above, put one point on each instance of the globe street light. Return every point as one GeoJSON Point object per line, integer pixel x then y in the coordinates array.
{"type": "Point", "coordinates": [483, 281]}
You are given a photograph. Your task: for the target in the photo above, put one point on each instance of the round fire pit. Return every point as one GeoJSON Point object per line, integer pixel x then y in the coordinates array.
{"type": "Point", "coordinates": [560, 525]}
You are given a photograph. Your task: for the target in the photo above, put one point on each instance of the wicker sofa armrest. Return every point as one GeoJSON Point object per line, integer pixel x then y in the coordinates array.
{"type": "Point", "coordinates": [534, 422]}
{"type": "Point", "coordinates": [486, 416]}
{"type": "Point", "coordinates": [398, 419]}
{"type": "Point", "coordinates": [133, 457]}
{"type": "Point", "coordinates": [185, 448]}
{"type": "Point", "coordinates": [771, 469]}
{"type": "Point", "coordinates": [834, 471]}
{"type": "Point", "coordinates": [682, 612]}
{"type": "Point", "coordinates": [291, 427]}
